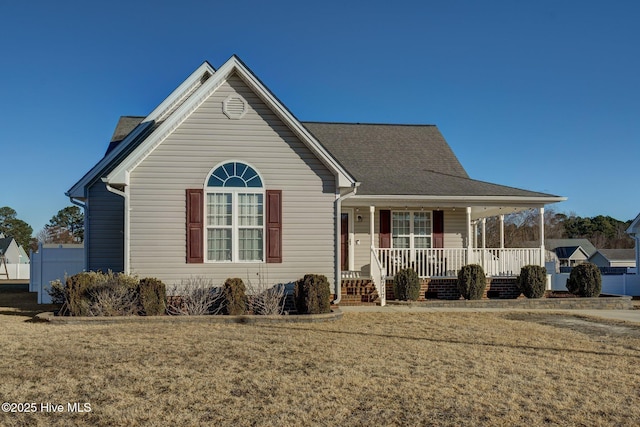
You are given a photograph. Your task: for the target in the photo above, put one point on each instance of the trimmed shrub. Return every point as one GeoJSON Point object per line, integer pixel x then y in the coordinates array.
{"type": "Point", "coordinates": [77, 291]}
{"type": "Point", "coordinates": [585, 280]}
{"type": "Point", "coordinates": [471, 281]}
{"type": "Point", "coordinates": [153, 297]}
{"type": "Point", "coordinates": [406, 285]}
{"type": "Point", "coordinates": [532, 281]}
{"type": "Point", "coordinates": [312, 294]}
{"type": "Point", "coordinates": [235, 297]}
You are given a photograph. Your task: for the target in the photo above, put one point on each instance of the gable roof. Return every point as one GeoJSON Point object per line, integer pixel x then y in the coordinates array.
{"type": "Point", "coordinates": [4, 244]}
{"type": "Point", "coordinates": [404, 160]}
{"type": "Point", "coordinates": [167, 122]}
{"type": "Point", "coordinates": [584, 244]}
{"type": "Point", "coordinates": [618, 254]}
{"type": "Point", "coordinates": [382, 159]}
{"type": "Point", "coordinates": [565, 252]}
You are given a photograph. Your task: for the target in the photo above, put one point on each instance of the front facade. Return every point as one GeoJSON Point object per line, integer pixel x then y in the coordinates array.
{"type": "Point", "coordinates": [221, 180]}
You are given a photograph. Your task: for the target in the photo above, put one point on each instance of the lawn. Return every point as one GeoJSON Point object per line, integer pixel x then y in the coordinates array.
{"type": "Point", "coordinates": [366, 369]}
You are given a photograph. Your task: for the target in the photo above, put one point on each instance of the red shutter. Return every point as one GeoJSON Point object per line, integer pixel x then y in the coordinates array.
{"type": "Point", "coordinates": [274, 226]}
{"type": "Point", "coordinates": [195, 226]}
{"type": "Point", "coordinates": [385, 229]}
{"type": "Point", "coordinates": [438, 229]}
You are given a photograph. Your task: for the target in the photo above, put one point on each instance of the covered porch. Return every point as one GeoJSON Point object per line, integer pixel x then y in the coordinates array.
{"type": "Point", "coordinates": [379, 240]}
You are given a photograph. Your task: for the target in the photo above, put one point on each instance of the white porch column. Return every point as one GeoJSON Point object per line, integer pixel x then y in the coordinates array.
{"type": "Point", "coordinates": [372, 215]}
{"type": "Point", "coordinates": [469, 241]}
{"type": "Point", "coordinates": [502, 231]}
{"type": "Point", "coordinates": [484, 233]}
{"type": "Point", "coordinates": [542, 236]}
{"type": "Point", "coordinates": [475, 233]}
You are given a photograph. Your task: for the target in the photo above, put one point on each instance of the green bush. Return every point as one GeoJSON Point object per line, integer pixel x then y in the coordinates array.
{"type": "Point", "coordinates": [406, 285]}
{"type": "Point", "coordinates": [153, 297]}
{"type": "Point", "coordinates": [471, 281]}
{"type": "Point", "coordinates": [585, 280]}
{"type": "Point", "coordinates": [532, 281]}
{"type": "Point", "coordinates": [312, 294]}
{"type": "Point", "coordinates": [235, 297]}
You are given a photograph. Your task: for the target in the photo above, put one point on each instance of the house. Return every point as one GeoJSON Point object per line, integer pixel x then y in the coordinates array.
{"type": "Point", "coordinates": [14, 261]}
{"type": "Point", "coordinates": [570, 256]}
{"type": "Point", "coordinates": [584, 244]}
{"type": "Point", "coordinates": [634, 231]}
{"type": "Point", "coordinates": [222, 180]}
{"type": "Point", "coordinates": [622, 258]}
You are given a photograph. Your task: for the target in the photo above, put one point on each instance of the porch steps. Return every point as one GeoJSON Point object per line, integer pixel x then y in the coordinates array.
{"type": "Point", "coordinates": [359, 292]}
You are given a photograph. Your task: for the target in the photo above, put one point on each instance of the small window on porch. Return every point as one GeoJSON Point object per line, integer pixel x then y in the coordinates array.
{"type": "Point", "coordinates": [411, 229]}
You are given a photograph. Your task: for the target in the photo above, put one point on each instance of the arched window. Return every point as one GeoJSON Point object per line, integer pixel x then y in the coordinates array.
{"type": "Point", "coordinates": [234, 212]}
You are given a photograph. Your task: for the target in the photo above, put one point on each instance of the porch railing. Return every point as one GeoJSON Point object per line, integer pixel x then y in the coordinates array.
{"type": "Point", "coordinates": [378, 277]}
{"type": "Point", "coordinates": [447, 262]}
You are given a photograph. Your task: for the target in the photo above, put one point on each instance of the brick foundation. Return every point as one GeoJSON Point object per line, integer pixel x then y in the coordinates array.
{"type": "Point", "coordinates": [447, 289]}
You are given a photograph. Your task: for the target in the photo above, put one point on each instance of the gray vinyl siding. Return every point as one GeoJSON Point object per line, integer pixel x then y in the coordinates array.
{"type": "Point", "coordinates": [455, 230]}
{"type": "Point", "coordinates": [105, 229]}
{"type": "Point", "coordinates": [184, 160]}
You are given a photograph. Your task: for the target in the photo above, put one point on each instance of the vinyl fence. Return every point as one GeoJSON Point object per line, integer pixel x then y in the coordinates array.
{"type": "Point", "coordinates": [14, 271]}
{"type": "Point", "coordinates": [619, 284]}
{"type": "Point", "coordinates": [53, 262]}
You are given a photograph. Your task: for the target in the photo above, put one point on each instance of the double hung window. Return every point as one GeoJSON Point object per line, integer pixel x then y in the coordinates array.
{"type": "Point", "coordinates": [234, 212]}
{"type": "Point", "coordinates": [411, 229]}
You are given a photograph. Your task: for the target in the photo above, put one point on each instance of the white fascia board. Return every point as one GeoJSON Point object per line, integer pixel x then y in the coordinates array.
{"type": "Point", "coordinates": [120, 175]}
{"type": "Point", "coordinates": [633, 226]}
{"type": "Point", "coordinates": [181, 91]}
{"type": "Point", "coordinates": [344, 178]}
{"type": "Point", "coordinates": [78, 190]}
{"type": "Point", "coordinates": [531, 201]}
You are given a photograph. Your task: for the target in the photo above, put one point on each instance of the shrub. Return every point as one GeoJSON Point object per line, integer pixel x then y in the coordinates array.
{"type": "Point", "coordinates": [312, 294]}
{"type": "Point", "coordinates": [471, 281]}
{"type": "Point", "coordinates": [532, 281]}
{"type": "Point", "coordinates": [153, 296]}
{"type": "Point", "coordinates": [235, 297]}
{"type": "Point", "coordinates": [270, 301]}
{"type": "Point", "coordinates": [195, 296]}
{"type": "Point", "coordinates": [406, 285]}
{"type": "Point", "coordinates": [77, 293]}
{"type": "Point", "coordinates": [57, 292]}
{"type": "Point", "coordinates": [585, 280]}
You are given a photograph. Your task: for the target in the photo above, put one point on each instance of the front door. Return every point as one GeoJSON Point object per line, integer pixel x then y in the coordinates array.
{"type": "Point", "coordinates": [344, 241]}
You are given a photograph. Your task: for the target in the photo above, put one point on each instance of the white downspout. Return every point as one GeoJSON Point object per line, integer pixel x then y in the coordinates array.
{"type": "Point", "coordinates": [86, 229]}
{"type": "Point", "coordinates": [338, 279]}
{"type": "Point", "coordinates": [125, 195]}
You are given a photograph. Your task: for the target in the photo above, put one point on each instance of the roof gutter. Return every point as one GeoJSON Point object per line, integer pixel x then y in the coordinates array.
{"type": "Point", "coordinates": [338, 279]}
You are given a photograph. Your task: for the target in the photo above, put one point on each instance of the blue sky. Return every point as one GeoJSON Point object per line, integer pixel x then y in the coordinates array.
{"type": "Point", "coordinates": [541, 95]}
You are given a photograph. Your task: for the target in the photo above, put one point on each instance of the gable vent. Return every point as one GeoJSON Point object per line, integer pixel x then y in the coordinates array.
{"type": "Point", "coordinates": [234, 107]}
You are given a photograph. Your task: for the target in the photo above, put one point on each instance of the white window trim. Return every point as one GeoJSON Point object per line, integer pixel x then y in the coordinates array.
{"type": "Point", "coordinates": [235, 234]}
{"type": "Point", "coordinates": [235, 226]}
{"type": "Point", "coordinates": [411, 234]}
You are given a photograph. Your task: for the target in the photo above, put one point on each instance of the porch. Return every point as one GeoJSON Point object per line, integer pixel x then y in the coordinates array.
{"type": "Point", "coordinates": [434, 242]}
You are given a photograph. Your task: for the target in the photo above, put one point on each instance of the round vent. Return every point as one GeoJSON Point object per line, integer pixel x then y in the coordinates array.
{"type": "Point", "coordinates": [234, 107]}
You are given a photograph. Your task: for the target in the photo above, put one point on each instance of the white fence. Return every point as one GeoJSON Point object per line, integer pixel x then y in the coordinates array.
{"type": "Point", "coordinates": [620, 284]}
{"type": "Point", "coordinates": [53, 262]}
{"type": "Point", "coordinates": [15, 271]}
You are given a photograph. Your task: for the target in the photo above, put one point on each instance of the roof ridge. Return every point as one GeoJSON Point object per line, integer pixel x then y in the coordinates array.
{"type": "Point", "coordinates": [368, 124]}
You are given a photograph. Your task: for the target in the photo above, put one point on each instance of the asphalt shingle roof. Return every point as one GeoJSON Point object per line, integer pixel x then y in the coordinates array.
{"type": "Point", "coordinates": [403, 160]}
{"type": "Point", "coordinates": [618, 254]}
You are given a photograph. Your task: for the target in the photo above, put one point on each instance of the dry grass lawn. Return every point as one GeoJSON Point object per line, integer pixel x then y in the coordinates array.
{"type": "Point", "coordinates": [366, 369]}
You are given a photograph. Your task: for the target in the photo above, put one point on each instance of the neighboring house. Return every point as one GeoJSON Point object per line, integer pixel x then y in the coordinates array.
{"type": "Point", "coordinates": [14, 261]}
{"type": "Point", "coordinates": [222, 180]}
{"type": "Point", "coordinates": [584, 244]}
{"type": "Point", "coordinates": [634, 231]}
{"type": "Point", "coordinates": [614, 258]}
{"type": "Point", "coordinates": [12, 251]}
{"type": "Point", "coordinates": [570, 256]}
